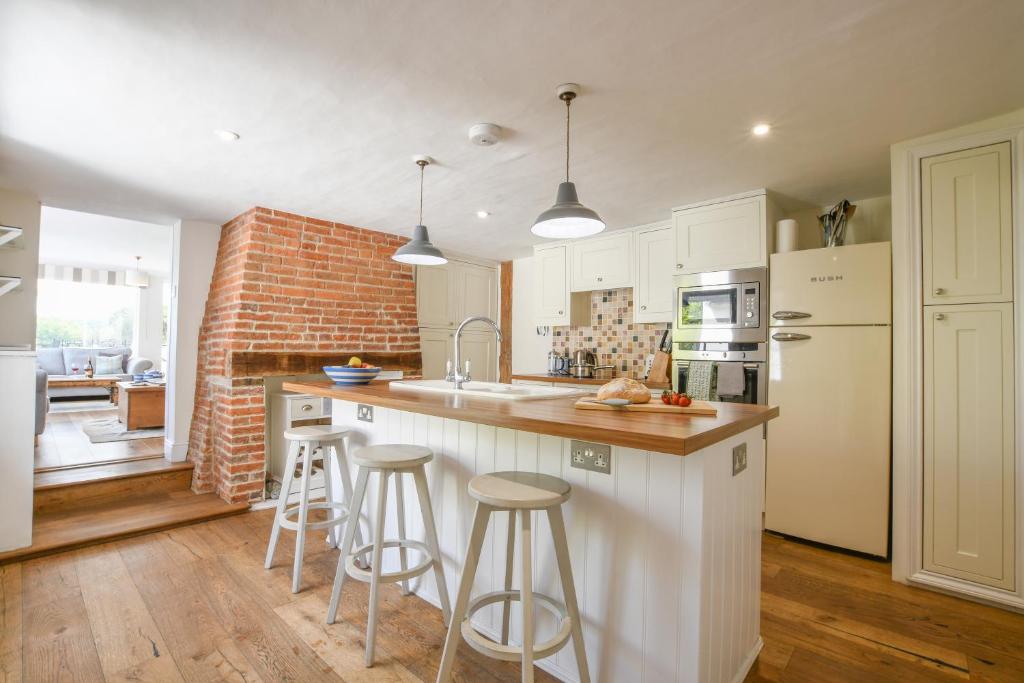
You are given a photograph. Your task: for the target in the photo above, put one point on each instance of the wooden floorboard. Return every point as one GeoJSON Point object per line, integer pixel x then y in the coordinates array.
{"type": "Point", "coordinates": [193, 603]}
{"type": "Point", "coordinates": [70, 476]}
{"type": "Point", "coordinates": [63, 444]}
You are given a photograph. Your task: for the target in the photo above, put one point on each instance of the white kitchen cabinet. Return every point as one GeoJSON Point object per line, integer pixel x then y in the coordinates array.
{"type": "Point", "coordinates": [551, 285]}
{"type": "Point", "coordinates": [604, 262]}
{"type": "Point", "coordinates": [967, 225]}
{"type": "Point", "coordinates": [480, 348]}
{"type": "Point", "coordinates": [653, 293]}
{"type": "Point", "coordinates": [724, 235]}
{"type": "Point", "coordinates": [435, 296]}
{"type": "Point", "coordinates": [448, 294]}
{"type": "Point", "coordinates": [969, 443]}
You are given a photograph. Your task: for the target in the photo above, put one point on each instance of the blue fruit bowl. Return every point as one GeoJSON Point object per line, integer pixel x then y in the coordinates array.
{"type": "Point", "coordinates": [349, 376]}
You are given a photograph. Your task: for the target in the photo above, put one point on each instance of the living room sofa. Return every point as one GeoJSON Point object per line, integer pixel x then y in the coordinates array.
{"type": "Point", "coordinates": [60, 361]}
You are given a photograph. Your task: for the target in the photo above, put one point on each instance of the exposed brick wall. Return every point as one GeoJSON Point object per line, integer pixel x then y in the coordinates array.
{"type": "Point", "coordinates": [283, 283]}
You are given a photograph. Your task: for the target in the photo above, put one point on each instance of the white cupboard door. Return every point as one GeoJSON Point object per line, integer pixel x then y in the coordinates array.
{"type": "Point", "coordinates": [969, 443]}
{"type": "Point", "coordinates": [434, 296]}
{"type": "Point", "coordinates": [436, 349]}
{"type": "Point", "coordinates": [966, 221]}
{"type": "Point", "coordinates": [551, 285]}
{"type": "Point", "coordinates": [481, 350]}
{"type": "Point", "coordinates": [475, 292]}
{"type": "Point", "coordinates": [828, 451]}
{"type": "Point", "coordinates": [721, 236]}
{"type": "Point", "coordinates": [602, 263]}
{"type": "Point", "coordinates": [653, 294]}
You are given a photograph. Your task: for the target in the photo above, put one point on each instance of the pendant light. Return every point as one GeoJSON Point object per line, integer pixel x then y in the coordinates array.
{"type": "Point", "coordinates": [567, 219]}
{"type": "Point", "coordinates": [419, 251]}
{"type": "Point", "coordinates": [136, 278]}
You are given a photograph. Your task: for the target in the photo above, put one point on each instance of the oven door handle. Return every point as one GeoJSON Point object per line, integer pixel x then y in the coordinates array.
{"type": "Point", "coordinates": [790, 315]}
{"type": "Point", "coordinates": [790, 336]}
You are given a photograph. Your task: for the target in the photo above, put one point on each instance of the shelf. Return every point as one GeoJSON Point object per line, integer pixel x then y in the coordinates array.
{"type": "Point", "coordinates": [8, 234]}
{"type": "Point", "coordinates": [8, 284]}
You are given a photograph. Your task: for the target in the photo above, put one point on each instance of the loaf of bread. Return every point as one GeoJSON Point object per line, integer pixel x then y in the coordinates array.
{"type": "Point", "coordinates": [626, 388]}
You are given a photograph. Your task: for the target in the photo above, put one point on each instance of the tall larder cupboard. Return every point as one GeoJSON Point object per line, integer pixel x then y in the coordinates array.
{"type": "Point", "coordinates": [957, 362]}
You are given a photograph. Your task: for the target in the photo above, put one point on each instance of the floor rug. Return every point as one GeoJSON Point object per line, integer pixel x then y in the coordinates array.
{"type": "Point", "coordinates": [109, 429]}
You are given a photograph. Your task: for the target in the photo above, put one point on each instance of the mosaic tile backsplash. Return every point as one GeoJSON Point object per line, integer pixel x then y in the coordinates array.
{"type": "Point", "coordinates": [612, 334]}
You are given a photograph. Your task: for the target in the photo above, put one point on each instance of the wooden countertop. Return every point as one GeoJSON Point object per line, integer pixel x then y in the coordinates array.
{"type": "Point", "coordinates": [678, 434]}
{"type": "Point", "coordinates": [596, 381]}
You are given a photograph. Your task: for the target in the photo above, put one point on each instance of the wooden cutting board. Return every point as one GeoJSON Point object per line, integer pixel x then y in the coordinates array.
{"type": "Point", "coordinates": [655, 406]}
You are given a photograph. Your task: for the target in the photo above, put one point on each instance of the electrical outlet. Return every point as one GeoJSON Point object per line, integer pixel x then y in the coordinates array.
{"type": "Point", "coordinates": [739, 458]}
{"type": "Point", "coordinates": [364, 412]}
{"type": "Point", "coordinates": [595, 457]}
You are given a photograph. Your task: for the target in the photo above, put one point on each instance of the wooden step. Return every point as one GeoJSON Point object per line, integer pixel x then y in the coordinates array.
{"type": "Point", "coordinates": [108, 483]}
{"type": "Point", "coordinates": [77, 526]}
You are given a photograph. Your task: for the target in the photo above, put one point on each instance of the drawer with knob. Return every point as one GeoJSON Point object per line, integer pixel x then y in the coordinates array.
{"type": "Point", "coordinates": [308, 407]}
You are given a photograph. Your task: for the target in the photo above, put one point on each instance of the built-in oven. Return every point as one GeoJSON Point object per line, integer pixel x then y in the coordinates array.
{"type": "Point", "coordinates": [722, 306]}
{"type": "Point", "coordinates": [751, 356]}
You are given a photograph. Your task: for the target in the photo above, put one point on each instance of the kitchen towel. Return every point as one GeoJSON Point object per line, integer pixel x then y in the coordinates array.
{"type": "Point", "coordinates": [700, 380]}
{"type": "Point", "coordinates": [730, 379]}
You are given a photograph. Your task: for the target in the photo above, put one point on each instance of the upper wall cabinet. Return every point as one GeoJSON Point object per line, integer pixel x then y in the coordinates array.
{"type": "Point", "coordinates": [602, 263]}
{"type": "Point", "coordinates": [448, 294]}
{"type": "Point", "coordinates": [653, 294]}
{"type": "Point", "coordinates": [434, 296]}
{"type": "Point", "coordinates": [967, 223]}
{"type": "Point", "coordinates": [724, 235]}
{"type": "Point", "coordinates": [551, 285]}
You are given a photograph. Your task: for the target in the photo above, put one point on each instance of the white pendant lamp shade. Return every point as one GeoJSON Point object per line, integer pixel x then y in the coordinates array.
{"type": "Point", "coordinates": [419, 251]}
{"type": "Point", "coordinates": [136, 278]}
{"type": "Point", "coordinates": [568, 218]}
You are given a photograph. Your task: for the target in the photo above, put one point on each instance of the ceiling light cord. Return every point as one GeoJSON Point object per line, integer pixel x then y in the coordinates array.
{"type": "Point", "coordinates": [568, 101]}
{"type": "Point", "coordinates": [422, 166]}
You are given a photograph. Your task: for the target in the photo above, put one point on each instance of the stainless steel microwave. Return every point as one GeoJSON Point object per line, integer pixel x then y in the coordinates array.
{"type": "Point", "coordinates": [725, 305]}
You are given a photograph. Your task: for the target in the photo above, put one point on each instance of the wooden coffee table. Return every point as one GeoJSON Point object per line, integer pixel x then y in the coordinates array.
{"type": "Point", "coordinates": [140, 406]}
{"type": "Point", "coordinates": [108, 382]}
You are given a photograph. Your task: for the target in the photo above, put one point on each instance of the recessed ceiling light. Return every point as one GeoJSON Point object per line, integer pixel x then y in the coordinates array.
{"type": "Point", "coordinates": [226, 135]}
{"type": "Point", "coordinates": [761, 129]}
{"type": "Point", "coordinates": [483, 214]}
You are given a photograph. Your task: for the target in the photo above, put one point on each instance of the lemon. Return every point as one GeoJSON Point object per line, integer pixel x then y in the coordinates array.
{"type": "Point", "coordinates": [355, 361]}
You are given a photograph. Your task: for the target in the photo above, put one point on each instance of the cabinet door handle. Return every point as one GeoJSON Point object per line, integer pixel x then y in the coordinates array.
{"type": "Point", "coordinates": [940, 316]}
{"type": "Point", "coordinates": [939, 291]}
{"type": "Point", "coordinates": [678, 266]}
{"type": "Point", "coordinates": [306, 407]}
{"type": "Point", "coordinates": [790, 336]}
{"type": "Point", "coordinates": [559, 313]}
{"type": "Point", "coordinates": [643, 308]}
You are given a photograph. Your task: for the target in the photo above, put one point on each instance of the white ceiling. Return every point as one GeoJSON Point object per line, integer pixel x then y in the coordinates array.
{"type": "Point", "coordinates": [109, 107]}
{"type": "Point", "coordinates": [73, 238]}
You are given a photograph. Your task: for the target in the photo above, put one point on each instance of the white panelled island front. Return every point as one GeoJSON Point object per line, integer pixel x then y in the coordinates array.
{"type": "Point", "coordinates": [665, 550]}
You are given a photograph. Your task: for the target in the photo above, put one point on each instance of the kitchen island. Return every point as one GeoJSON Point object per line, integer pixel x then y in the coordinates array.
{"type": "Point", "coordinates": [666, 549]}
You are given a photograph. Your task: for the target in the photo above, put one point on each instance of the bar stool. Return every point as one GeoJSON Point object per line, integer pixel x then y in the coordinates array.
{"type": "Point", "coordinates": [385, 460]}
{"type": "Point", "coordinates": [522, 492]}
{"type": "Point", "coordinates": [307, 444]}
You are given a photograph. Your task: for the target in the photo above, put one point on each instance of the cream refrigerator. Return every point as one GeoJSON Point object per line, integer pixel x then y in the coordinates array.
{"type": "Point", "coordinates": [829, 371]}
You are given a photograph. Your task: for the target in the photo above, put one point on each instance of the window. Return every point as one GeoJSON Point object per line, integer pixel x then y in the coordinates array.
{"type": "Point", "coordinates": [85, 314]}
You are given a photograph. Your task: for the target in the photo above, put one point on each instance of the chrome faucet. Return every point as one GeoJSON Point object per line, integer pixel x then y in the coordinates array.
{"type": "Point", "coordinates": [453, 374]}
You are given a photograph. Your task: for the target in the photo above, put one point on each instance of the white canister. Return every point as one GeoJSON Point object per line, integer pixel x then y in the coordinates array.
{"type": "Point", "coordinates": [786, 235]}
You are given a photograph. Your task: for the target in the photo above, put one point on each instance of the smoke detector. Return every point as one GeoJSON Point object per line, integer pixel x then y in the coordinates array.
{"type": "Point", "coordinates": [484, 134]}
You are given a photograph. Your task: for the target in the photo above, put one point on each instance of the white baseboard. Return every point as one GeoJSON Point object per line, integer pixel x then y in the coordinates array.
{"type": "Point", "coordinates": [748, 663]}
{"type": "Point", "coordinates": [175, 452]}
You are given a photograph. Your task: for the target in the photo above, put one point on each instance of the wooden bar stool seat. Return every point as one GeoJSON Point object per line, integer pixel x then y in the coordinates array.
{"type": "Point", "coordinates": [306, 445]}
{"type": "Point", "coordinates": [387, 460]}
{"type": "Point", "coordinates": [522, 493]}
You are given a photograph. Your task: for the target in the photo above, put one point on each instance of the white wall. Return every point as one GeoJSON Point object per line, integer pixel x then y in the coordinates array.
{"type": "Point", "coordinates": [194, 252]}
{"type": "Point", "coordinates": [20, 259]}
{"type": "Point", "coordinates": [149, 321]}
{"type": "Point", "coordinates": [529, 349]}
{"type": "Point", "coordinates": [871, 222]}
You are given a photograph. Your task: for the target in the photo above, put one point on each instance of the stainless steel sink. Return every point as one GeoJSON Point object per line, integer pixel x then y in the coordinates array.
{"type": "Point", "coordinates": [507, 392]}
